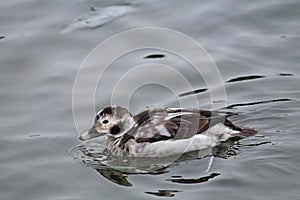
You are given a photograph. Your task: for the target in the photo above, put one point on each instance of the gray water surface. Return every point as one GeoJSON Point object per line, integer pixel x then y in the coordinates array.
{"type": "Point", "coordinates": [255, 45]}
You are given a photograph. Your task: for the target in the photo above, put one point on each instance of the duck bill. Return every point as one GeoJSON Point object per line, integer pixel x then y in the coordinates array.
{"type": "Point", "coordinates": [90, 134]}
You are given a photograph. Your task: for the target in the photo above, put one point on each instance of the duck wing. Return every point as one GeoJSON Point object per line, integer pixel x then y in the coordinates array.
{"type": "Point", "coordinates": [176, 123]}
{"type": "Point", "coordinates": [162, 124]}
{"type": "Point", "coordinates": [190, 122]}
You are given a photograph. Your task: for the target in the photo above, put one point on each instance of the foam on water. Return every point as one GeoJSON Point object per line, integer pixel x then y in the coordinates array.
{"type": "Point", "coordinates": [97, 17]}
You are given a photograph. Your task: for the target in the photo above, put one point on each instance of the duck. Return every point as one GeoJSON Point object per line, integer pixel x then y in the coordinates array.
{"type": "Point", "coordinates": [161, 132]}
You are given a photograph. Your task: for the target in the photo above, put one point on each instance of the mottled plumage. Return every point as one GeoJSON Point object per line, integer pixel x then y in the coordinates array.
{"type": "Point", "coordinates": [163, 132]}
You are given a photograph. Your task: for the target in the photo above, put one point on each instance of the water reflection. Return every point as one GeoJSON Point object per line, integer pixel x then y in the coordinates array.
{"type": "Point", "coordinates": [117, 169]}
{"type": "Point", "coordinates": [164, 193]}
{"type": "Point", "coordinates": [258, 144]}
{"type": "Point", "coordinates": [114, 176]}
{"type": "Point", "coordinates": [193, 180]}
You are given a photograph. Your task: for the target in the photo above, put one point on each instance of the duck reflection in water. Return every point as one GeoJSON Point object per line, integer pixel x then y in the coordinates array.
{"type": "Point", "coordinates": [117, 170]}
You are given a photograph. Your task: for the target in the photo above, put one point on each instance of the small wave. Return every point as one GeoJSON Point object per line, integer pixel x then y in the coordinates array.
{"type": "Point", "coordinates": [98, 17]}
{"type": "Point", "coordinates": [245, 78]}
{"type": "Point", "coordinates": [201, 90]}
{"type": "Point", "coordinates": [154, 56]}
{"type": "Point", "coordinates": [257, 102]}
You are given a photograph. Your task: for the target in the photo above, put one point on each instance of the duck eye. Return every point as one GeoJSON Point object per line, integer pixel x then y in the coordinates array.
{"type": "Point", "coordinates": [97, 117]}
{"type": "Point", "coordinates": [104, 121]}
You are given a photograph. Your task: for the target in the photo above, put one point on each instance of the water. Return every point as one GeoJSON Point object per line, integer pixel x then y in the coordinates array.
{"type": "Point", "coordinates": [255, 46]}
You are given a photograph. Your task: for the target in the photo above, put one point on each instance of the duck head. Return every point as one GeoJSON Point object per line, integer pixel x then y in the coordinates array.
{"type": "Point", "coordinates": [111, 121]}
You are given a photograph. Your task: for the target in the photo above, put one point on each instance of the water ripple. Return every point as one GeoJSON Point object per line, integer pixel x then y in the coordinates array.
{"type": "Point", "coordinates": [257, 102]}
{"type": "Point", "coordinates": [245, 78]}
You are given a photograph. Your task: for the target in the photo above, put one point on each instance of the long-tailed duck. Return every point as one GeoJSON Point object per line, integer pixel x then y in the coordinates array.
{"type": "Point", "coordinates": [163, 132]}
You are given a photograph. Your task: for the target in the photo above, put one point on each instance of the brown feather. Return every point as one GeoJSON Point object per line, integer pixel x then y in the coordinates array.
{"type": "Point", "coordinates": [184, 126]}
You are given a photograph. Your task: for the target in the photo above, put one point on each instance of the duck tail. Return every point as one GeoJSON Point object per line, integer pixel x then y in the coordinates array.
{"type": "Point", "coordinates": [241, 131]}
{"type": "Point", "coordinates": [246, 132]}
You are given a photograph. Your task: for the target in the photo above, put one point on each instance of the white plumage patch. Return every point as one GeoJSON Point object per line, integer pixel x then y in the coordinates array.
{"type": "Point", "coordinates": [162, 130]}
{"type": "Point", "coordinates": [176, 114]}
{"type": "Point", "coordinates": [173, 147]}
